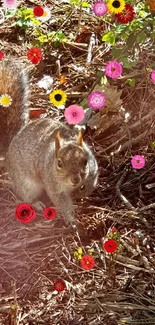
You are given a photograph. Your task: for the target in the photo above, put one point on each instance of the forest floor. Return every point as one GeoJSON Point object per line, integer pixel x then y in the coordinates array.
{"type": "Point", "coordinates": [33, 256]}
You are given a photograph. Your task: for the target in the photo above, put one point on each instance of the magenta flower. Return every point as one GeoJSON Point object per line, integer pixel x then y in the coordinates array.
{"type": "Point", "coordinates": [138, 162]}
{"type": "Point", "coordinates": [113, 69]}
{"type": "Point", "coordinates": [100, 8]}
{"type": "Point", "coordinates": [153, 76]}
{"type": "Point", "coordinates": [96, 100]}
{"type": "Point", "coordinates": [9, 4]}
{"type": "Point", "coordinates": [74, 114]}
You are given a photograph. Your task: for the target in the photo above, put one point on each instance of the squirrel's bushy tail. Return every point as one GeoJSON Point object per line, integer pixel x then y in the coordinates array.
{"type": "Point", "coordinates": [13, 82]}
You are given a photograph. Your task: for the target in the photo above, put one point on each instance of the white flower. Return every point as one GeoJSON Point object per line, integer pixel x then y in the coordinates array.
{"type": "Point", "coordinates": [46, 15]}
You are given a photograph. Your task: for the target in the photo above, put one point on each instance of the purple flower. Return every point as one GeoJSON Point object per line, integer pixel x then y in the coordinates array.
{"type": "Point", "coordinates": [138, 162]}
{"type": "Point", "coordinates": [153, 76]}
{"type": "Point", "coordinates": [113, 69]}
{"type": "Point", "coordinates": [100, 8]}
{"type": "Point", "coordinates": [74, 114]}
{"type": "Point", "coordinates": [96, 100]}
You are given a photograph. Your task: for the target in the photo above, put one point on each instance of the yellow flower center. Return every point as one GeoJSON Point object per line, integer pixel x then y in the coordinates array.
{"type": "Point", "coordinates": [5, 100]}
{"type": "Point", "coordinates": [44, 14]}
{"type": "Point", "coordinates": [87, 262]}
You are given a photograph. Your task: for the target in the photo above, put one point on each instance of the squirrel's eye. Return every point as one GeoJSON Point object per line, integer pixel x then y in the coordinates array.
{"type": "Point", "coordinates": [59, 163]}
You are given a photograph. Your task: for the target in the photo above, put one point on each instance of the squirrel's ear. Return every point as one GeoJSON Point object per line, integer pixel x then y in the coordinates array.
{"type": "Point", "coordinates": [80, 138]}
{"type": "Point", "coordinates": [57, 142]}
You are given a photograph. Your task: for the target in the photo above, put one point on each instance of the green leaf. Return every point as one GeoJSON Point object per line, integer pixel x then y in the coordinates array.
{"type": "Point", "coordinates": [117, 52]}
{"type": "Point", "coordinates": [85, 4]}
{"type": "Point", "coordinates": [131, 82]}
{"type": "Point", "coordinates": [141, 38]}
{"type": "Point", "coordinates": [153, 144]}
{"type": "Point", "coordinates": [126, 63]}
{"type": "Point", "coordinates": [109, 38]}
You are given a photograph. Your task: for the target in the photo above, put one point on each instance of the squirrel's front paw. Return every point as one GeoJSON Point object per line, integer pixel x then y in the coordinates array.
{"type": "Point", "coordinates": [39, 207]}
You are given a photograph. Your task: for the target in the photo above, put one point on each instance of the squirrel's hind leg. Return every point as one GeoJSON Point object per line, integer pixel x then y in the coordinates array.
{"type": "Point", "coordinates": [27, 189]}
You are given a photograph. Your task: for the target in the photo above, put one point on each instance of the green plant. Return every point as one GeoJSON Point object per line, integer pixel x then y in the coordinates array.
{"type": "Point", "coordinates": [24, 18]}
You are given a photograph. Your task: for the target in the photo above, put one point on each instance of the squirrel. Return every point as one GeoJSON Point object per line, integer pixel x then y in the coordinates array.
{"type": "Point", "coordinates": [43, 155]}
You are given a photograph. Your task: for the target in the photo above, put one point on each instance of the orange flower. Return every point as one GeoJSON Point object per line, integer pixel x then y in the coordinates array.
{"type": "Point", "coordinates": [62, 80]}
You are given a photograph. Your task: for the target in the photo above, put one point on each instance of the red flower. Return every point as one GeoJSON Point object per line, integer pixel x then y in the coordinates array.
{"type": "Point", "coordinates": [34, 55]}
{"type": "Point", "coordinates": [113, 229]}
{"type": "Point", "coordinates": [110, 246]}
{"type": "Point", "coordinates": [49, 213]}
{"type": "Point", "coordinates": [126, 16]}
{"type": "Point", "coordinates": [25, 212]}
{"type": "Point", "coordinates": [38, 11]}
{"type": "Point", "coordinates": [87, 262]}
{"type": "Point", "coordinates": [59, 285]}
{"type": "Point", "coordinates": [1, 55]}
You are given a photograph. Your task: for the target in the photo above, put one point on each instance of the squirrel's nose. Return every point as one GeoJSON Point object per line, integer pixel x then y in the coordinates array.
{"type": "Point", "coordinates": [75, 179]}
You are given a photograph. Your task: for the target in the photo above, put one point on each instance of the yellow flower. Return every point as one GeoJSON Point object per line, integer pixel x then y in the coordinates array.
{"type": "Point", "coordinates": [5, 100]}
{"type": "Point", "coordinates": [58, 97]}
{"type": "Point", "coordinates": [116, 6]}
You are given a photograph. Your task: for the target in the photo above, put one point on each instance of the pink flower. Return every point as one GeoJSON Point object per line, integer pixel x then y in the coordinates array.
{"type": "Point", "coordinates": [138, 162]}
{"type": "Point", "coordinates": [100, 8]}
{"type": "Point", "coordinates": [9, 4]}
{"type": "Point", "coordinates": [74, 114]}
{"type": "Point", "coordinates": [153, 76]}
{"type": "Point", "coordinates": [96, 100]}
{"type": "Point", "coordinates": [113, 69]}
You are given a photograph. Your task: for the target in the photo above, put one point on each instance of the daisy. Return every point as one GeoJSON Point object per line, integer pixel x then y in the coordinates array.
{"type": "Point", "coordinates": [46, 15]}
{"type": "Point", "coordinates": [9, 4]}
{"type": "Point", "coordinates": [138, 162]}
{"type": "Point", "coordinates": [5, 100]}
{"type": "Point", "coordinates": [113, 69]}
{"type": "Point", "coordinates": [116, 6]}
{"type": "Point", "coordinates": [49, 213]}
{"type": "Point", "coordinates": [153, 76]}
{"type": "Point", "coordinates": [126, 16]}
{"type": "Point", "coordinates": [96, 100]}
{"type": "Point", "coordinates": [74, 114]}
{"type": "Point", "coordinates": [25, 213]}
{"type": "Point", "coordinates": [110, 246]}
{"type": "Point", "coordinates": [38, 11]}
{"type": "Point", "coordinates": [58, 97]}
{"type": "Point", "coordinates": [59, 285]}
{"type": "Point", "coordinates": [100, 8]}
{"type": "Point", "coordinates": [87, 262]}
